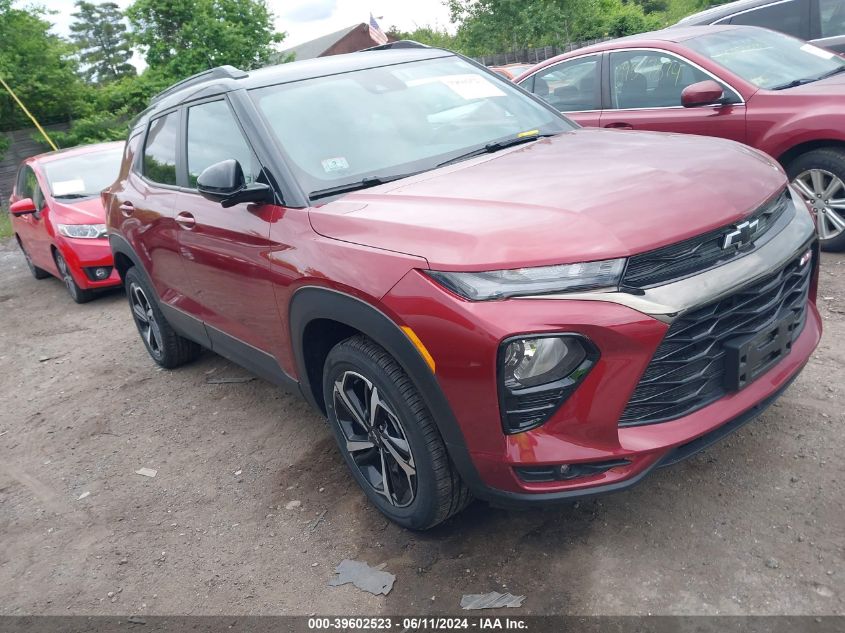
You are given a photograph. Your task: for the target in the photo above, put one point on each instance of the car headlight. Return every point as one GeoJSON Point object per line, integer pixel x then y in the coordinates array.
{"type": "Point", "coordinates": [500, 284]}
{"type": "Point", "coordinates": [537, 373]}
{"type": "Point", "coordinates": [85, 231]}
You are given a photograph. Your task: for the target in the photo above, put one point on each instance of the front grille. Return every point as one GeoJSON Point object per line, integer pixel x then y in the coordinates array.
{"type": "Point", "coordinates": [689, 369]}
{"type": "Point", "coordinates": [699, 253]}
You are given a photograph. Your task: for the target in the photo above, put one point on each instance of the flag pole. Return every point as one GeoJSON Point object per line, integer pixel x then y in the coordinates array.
{"type": "Point", "coordinates": [29, 114]}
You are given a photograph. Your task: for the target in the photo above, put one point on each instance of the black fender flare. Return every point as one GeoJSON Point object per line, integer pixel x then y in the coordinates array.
{"type": "Point", "coordinates": [313, 302]}
{"type": "Point", "coordinates": [119, 245]}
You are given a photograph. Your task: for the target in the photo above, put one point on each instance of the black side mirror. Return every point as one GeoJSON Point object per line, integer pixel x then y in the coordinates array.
{"type": "Point", "coordinates": [224, 182]}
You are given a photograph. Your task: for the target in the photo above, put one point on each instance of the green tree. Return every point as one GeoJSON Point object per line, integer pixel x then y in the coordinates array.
{"type": "Point", "coordinates": [495, 26]}
{"type": "Point", "coordinates": [112, 107]}
{"type": "Point", "coordinates": [102, 40]}
{"type": "Point", "coordinates": [39, 66]}
{"type": "Point", "coordinates": [184, 37]}
{"type": "Point", "coordinates": [428, 35]}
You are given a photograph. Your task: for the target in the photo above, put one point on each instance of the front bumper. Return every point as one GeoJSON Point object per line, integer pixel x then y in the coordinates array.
{"type": "Point", "coordinates": [463, 338]}
{"type": "Point", "coordinates": [85, 253]}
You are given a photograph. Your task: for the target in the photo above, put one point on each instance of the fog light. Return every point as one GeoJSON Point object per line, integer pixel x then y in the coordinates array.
{"type": "Point", "coordinates": [537, 374]}
{"type": "Point", "coordinates": [98, 273]}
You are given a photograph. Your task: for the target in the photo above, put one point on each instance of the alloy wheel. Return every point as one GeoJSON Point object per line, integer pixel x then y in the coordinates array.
{"type": "Point", "coordinates": [142, 311]}
{"type": "Point", "coordinates": [375, 439]}
{"type": "Point", "coordinates": [825, 192]}
{"type": "Point", "coordinates": [67, 278]}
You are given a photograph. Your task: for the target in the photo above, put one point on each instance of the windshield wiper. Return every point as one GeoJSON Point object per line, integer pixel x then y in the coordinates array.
{"type": "Point", "coordinates": [72, 196]}
{"type": "Point", "coordinates": [831, 73]}
{"type": "Point", "coordinates": [364, 183]}
{"type": "Point", "coordinates": [808, 80]}
{"type": "Point", "coordinates": [495, 146]}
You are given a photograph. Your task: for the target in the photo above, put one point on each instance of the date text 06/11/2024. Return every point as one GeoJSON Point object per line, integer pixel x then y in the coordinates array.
{"type": "Point", "coordinates": [417, 624]}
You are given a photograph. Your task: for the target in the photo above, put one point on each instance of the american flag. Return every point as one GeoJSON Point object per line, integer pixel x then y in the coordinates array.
{"type": "Point", "coordinates": [375, 31]}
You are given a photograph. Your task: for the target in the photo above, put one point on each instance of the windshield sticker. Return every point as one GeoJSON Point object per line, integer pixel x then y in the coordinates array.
{"type": "Point", "coordinates": [818, 52]}
{"type": "Point", "coordinates": [332, 165]}
{"type": "Point", "coordinates": [467, 86]}
{"type": "Point", "coordinates": [528, 133]}
{"type": "Point", "coordinates": [65, 187]}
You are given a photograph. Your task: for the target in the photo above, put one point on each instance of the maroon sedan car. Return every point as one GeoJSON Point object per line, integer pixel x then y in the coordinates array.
{"type": "Point", "coordinates": [768, 90]}
{"type": "Point", "coordinates": [483, 298]}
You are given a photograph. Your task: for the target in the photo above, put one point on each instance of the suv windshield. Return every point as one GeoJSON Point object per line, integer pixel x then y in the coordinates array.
{"type": "Point", "coordinates": [769, 60]}
{"type": "Point", "coordinates": [83, 176]}
{"type": "Point", "coordinates": [393, 120]}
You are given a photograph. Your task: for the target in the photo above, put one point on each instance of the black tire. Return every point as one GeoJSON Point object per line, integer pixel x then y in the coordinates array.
{"type": "Point", "coordinates": [76, 293]}
{"type": "Point", "coordinates": [830, 162]}
{"type": "Point", "coordinates": [38, 273]}
{"type": "Point", "coordinates": [165, 346]}
{"type": "Point", "coordinates": [438, 491]}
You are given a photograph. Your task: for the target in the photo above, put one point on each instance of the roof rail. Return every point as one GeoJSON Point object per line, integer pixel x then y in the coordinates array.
{"type": "Point", "coordinates": [396, 44]}
{"type": "Point", "coordinates": [221, 72]}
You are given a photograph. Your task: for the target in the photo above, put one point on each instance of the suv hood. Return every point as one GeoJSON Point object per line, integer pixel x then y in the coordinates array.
{"type": "Point", "coordinates": [584, 195]}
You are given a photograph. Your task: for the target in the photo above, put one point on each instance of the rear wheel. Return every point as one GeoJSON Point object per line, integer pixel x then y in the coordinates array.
{"type": "Point", "coordinates": [38, 273]}
{"type": "Point", "coordinates": [819, 176]}
{"type": "Point", "coordinates": [388, 438]}
{"type": "Point", "coordinates": [167, 348]}
{"type": "Point", "coordinates": [76, 293]}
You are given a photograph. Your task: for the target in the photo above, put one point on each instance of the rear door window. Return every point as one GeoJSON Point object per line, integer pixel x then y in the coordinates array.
{"type": "Point", "coordinates": [791, 17]}
{"type": "Point", "coordinates": [570, 86]}
{"type": "Point", "coordinates": [160, 149]}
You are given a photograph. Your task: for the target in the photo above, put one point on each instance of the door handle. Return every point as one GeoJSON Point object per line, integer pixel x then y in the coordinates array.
{"type": "Point", "coordinates": [185, 220]}
{"type": "Point", "coordinates": [619, 125]}
{"type": "Point", "coordinates": [127, 209]}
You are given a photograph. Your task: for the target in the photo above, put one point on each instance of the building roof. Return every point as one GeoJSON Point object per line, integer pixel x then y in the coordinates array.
{"type": "Point", "coordinates": [316, 47]}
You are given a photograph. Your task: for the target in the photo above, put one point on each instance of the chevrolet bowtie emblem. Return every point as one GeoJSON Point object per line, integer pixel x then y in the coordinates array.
{"type": "Point", "coordinates": [741, 235]}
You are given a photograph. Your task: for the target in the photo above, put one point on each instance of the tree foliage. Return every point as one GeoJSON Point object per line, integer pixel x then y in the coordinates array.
{"type": "Point", "coordinates": [103, 43]}
{"type": "Point", "coordinates": [40, 68]}
{"type": "Point", "coordinates": [184, 37]}
{"type": "Point", "coordinates": [493, 26]}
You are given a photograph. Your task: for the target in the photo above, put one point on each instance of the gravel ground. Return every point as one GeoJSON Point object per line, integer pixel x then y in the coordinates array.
{"type": "Point", "coordinates": [251, 508]}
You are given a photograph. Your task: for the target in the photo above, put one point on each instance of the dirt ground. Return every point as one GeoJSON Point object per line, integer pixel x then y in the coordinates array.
{"type": "Point", "coordinates": [754, 525]}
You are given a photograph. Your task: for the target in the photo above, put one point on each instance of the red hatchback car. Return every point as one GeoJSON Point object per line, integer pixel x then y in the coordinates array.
{"type": "Point", "coordinates": [59, 220]}
{"type": "Point", "coordinates": [483, 298]}
{"type": "Point", "coordinates": [771, 91]}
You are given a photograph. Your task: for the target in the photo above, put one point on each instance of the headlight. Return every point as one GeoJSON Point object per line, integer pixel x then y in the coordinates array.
{"type": "Point", "coordinates": [500, 284]}
{"type": "Point", "coordinates": [537, 374]}
{"type": "Point", "coordinates": [85, 231]}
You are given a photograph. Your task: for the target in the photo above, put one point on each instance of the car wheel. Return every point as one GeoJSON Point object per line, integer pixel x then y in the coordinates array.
{"type": "Point", "coordinates": [38, 273]}
{"type": "Point", "coordinates": [76, 293]}
{"type": "Point", "coordinates": [819, 176]}
{"type": "Point", "coordinates": [388, 438]}
{"type": "Point", "coordinates": [167, 348]}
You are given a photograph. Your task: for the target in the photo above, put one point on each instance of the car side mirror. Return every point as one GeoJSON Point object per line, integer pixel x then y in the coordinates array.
{"type": "Point", "coordinates": [703, 93]}
{"type": "Point", "coordinates": [224, 182]}
{"type": "Point", "coordinates": [22, 207]}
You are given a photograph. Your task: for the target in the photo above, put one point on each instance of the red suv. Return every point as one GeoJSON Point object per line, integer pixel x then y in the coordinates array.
{"type": "Point", "coordinates": [771, 91]}
{"type": "Point", "coordinates": [483, 298]}
{"type": "Point", "coordinates": [58, 217]}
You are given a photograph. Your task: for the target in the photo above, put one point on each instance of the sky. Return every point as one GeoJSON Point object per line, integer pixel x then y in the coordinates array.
{"type": "Point", "coordinates": [305, 20]}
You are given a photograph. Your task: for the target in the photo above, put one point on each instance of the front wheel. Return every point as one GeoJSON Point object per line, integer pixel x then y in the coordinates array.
{"type": "Point", "coordinates": [76, 293]}
{"type": "Point", "coordinates": [388, 438]}
{"type": "Point", "coordinates": [819, 176]}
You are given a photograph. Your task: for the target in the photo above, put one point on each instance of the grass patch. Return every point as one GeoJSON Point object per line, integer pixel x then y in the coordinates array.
{"type": "Point", "coordinates": [5, 224]}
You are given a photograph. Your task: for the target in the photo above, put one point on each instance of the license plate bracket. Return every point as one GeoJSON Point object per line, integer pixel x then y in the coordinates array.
{"type": "Point", "coordinates": [749, 356]}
